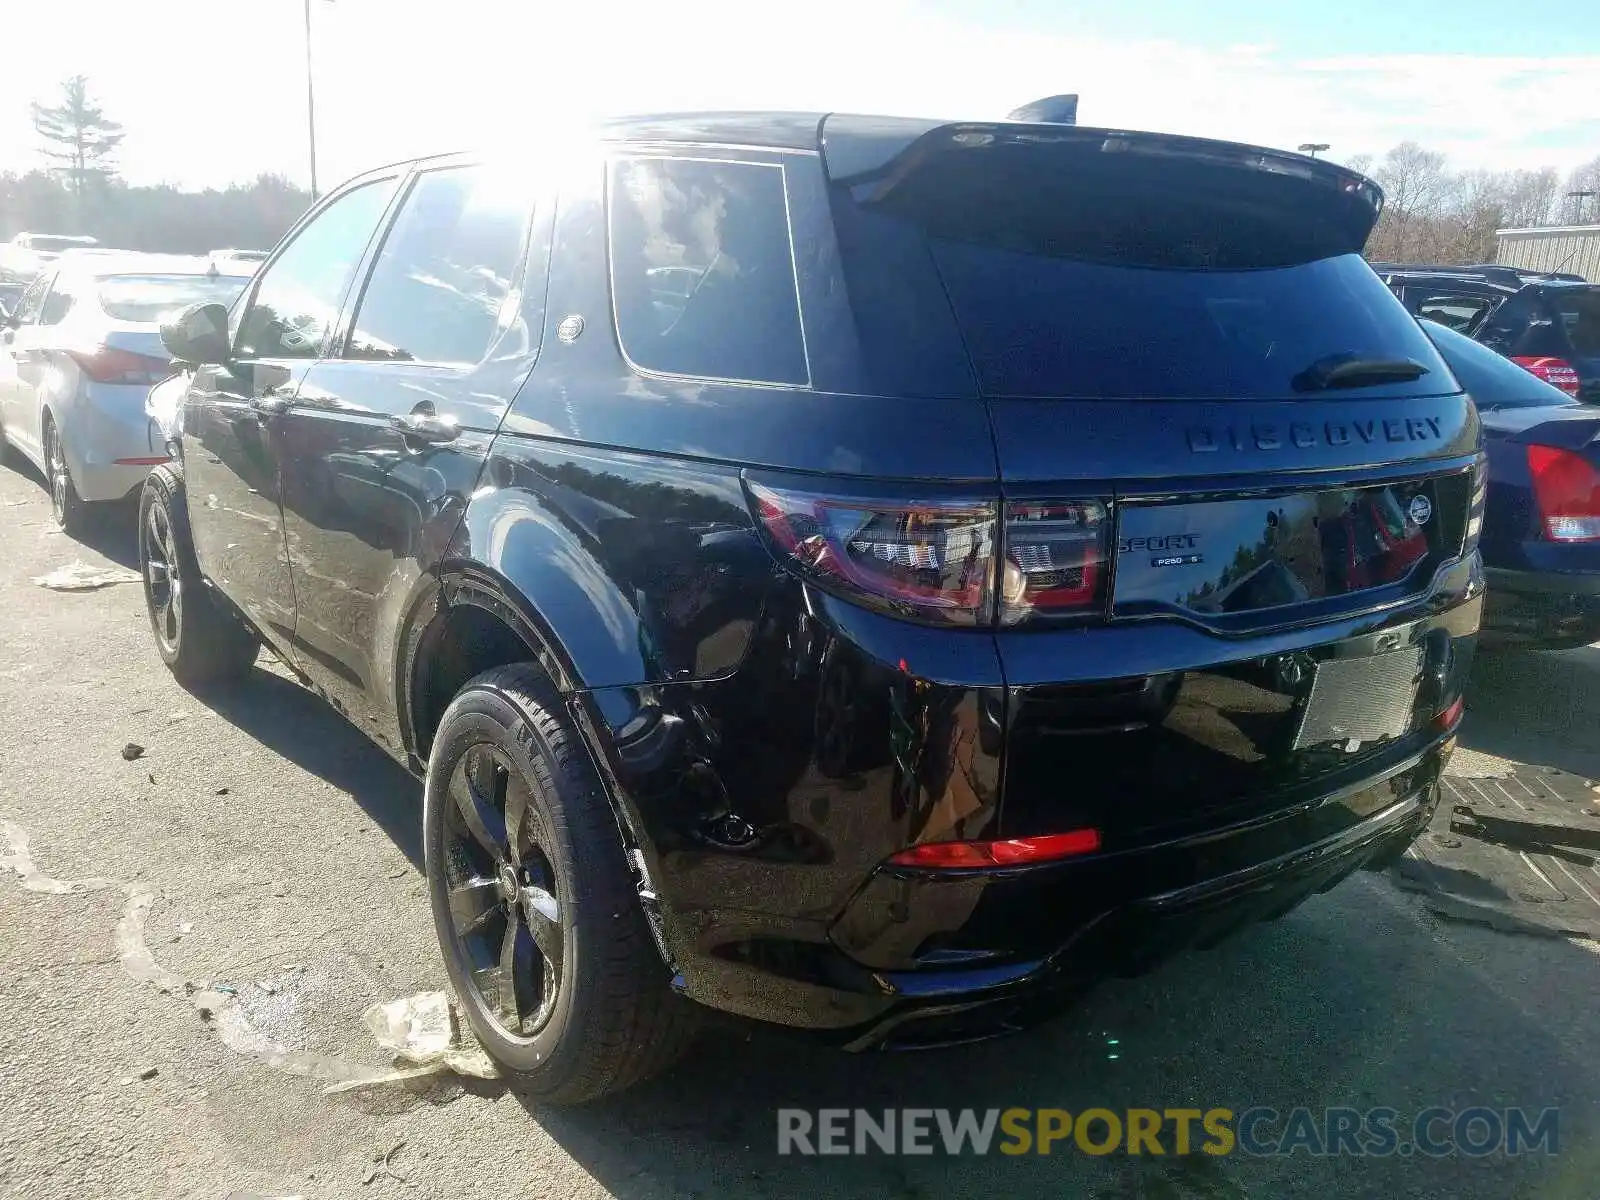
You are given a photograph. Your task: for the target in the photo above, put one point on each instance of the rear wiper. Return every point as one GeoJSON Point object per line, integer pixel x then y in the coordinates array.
{"type": "Point", "coordinates": [1351, 370]}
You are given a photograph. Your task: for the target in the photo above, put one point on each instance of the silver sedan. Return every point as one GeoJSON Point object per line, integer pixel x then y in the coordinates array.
{"type": "Point", "coordinates": [78, 356]}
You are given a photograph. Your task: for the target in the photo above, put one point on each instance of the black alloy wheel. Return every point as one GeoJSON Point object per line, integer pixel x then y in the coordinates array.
{"type": "Point", "coordinates": [536, 906]}
{"type": "Point", "coordinates": [163, 583]}
{"type": "Point", "coordinates": [504, 910]}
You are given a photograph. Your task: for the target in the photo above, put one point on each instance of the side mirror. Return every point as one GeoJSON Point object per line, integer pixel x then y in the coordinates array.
{"type": "Point", "coordinates": [198, 336]}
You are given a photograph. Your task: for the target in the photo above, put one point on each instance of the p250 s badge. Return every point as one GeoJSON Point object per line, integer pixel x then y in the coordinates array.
{"type": "Point", "coordinates": [1168, 550]}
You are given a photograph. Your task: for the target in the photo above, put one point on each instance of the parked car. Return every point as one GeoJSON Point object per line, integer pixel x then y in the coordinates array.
{"type": "Point", "coordinates": [1548, 325]}
{"type": "Point", "coordinates": [25, 255]}
{"type": "Point", "coordinates": [1023, 551]}
{"type": "Point", "coordinates": [76, 359]}
{"type": "Point", "coordinates": [253, 256]}
{"type": "Point", "coordinates": [1541, 525]}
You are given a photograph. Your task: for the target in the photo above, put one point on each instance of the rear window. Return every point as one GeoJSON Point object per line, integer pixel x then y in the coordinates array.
{"type": "Point", "coordinates": [158, 297]}
{"type": "Point", "coordinates": [1082, 264]}
{"type": "Point", "coordinates": [1579, 315]}
{"type": "Point", "coordinates": [702, 270]}
{"type": "Point", "coordinates": [46, 243]}
{"type": "Point", "coordinates": [1039, 326]}
{"type": "Point", "coordinates": [1492, 380]}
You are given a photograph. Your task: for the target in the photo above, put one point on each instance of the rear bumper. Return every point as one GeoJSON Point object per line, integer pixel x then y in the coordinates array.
{"type": "Point", "coordinates": [766, 803]}
{"type": "Point", "coordinates": [939, 1009]}
{"type": "Point", "coordinates": [1158, 909]}
{"type": "Point", "coordinates": [1541, 609]}
{"type": "Point", "coordinates": [108, 423]}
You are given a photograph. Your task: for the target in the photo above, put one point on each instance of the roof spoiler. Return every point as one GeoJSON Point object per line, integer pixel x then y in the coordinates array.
{"type": "Point", "coordinates": [1052, 110]}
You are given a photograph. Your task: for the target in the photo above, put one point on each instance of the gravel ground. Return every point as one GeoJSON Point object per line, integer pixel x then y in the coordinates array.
{"type": "Point", "coordinates": [261, 845]}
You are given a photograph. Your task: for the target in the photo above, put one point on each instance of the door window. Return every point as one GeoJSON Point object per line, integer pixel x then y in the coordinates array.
{"type": "Point", "coordinates": [440, 285]}
{"type": "Point", "coordinates": [32, 300]}
{"type": "Point", "coordinates": [702, 270]}
{"type": "Point", "coordinates": [1463, 313]}
{"type": "Point", "coordinates": [297, 299]}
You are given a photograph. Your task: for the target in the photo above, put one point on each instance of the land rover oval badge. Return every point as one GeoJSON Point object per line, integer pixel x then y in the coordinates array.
{"type": "Point", "coordinates": [1421, 509]}
{"type": "Point", "coordinates": [570, 328]}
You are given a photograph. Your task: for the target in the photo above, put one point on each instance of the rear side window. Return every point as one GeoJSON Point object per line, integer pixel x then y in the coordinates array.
{"type": "Point", "coordinates": [1578, 313]}
{"type": "Point", "coordinates": [1461, 312]}
{"type": "Point", "coordinates": [702, 270]}
{"type": "Point", "coordinates": [1038, 326]}
{"type": "Point", "coordinates": [446, 269]}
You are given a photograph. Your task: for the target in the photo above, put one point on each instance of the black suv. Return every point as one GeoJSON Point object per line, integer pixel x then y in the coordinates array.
{"type": "Point", "coordinates": [870, 575]}
{"type": "Point", "coordinates": [1547, 324]}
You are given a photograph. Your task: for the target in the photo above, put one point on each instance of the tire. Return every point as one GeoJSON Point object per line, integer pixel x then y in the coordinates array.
{"type": "Point", "coordinates": [199, 640]}
{"type": "Point", "coordinates": [67, 509]}
{"type": "Point", "coordinates": [595, 1013]}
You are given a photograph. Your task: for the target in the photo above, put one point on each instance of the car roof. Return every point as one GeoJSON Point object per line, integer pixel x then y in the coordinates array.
{"type": "Point", "coordinates": [856, 139]}
{"type": "Point", "coordinates": [1451, 277]}
{"type": "Point", "coordinates": [133, 262]}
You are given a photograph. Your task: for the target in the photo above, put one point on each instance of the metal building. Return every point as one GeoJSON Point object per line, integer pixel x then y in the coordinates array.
{"type": "Point", "coordinates": [1574, 248]}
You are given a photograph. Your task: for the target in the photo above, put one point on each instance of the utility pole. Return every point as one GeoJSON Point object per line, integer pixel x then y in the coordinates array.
{"type": "Point", "coordinates": [311, 104]}
{"type": "Point", "coordinates": [1312, 148]}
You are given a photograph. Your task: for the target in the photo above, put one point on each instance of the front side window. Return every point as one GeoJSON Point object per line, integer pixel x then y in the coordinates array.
{"type": "Point", "coordinates": [446, 270]}
{"type": "Point", "coordinates": [702, 270]}
{"type": "Point", "coordinates": [32, 300]}
{"type": "Point", "coordinates": [296, 302]}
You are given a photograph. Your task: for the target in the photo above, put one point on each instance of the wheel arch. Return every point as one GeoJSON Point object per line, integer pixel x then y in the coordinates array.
{"type": "Point", "coordinates": [463, 620]}
{"type": "Point", "coordinates": [467, 619]}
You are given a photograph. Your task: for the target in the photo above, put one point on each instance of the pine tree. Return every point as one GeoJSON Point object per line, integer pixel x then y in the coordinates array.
{"type": "Point", "coordinates": [80, 140]}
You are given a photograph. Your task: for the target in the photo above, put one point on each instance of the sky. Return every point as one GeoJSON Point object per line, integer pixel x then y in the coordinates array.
{"type": "Point", "coordinates": [212, 91]}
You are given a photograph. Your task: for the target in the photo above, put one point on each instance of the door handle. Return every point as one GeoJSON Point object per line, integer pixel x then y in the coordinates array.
{"type": "Point", "coordinates": [426, 427]}
{"type": "Point", "coordinates": [269, 404]}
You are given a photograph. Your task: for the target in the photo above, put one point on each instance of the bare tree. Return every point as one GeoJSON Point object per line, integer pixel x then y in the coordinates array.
{"type": "Point", "coordinates": [80, 140]}
{"type": "Point", "coordinates": [1584, 179]}
{"type": "Point", "coordinates": [1414, 182]}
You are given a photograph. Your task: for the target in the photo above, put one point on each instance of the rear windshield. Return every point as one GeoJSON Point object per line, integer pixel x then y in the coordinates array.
{"type": "Point", "coordinates": [43, 242]}
{"type": "Point", "coordinates": [1040, 326]}
{"type": "Point", "coordinates": [1095, 269]}
{"type": "Point", "coordinates": [1492, 380]}
{"type": "Point", "coordinates": [1579, 314]}
{"type": "Point", "coordinates": [159, 297]}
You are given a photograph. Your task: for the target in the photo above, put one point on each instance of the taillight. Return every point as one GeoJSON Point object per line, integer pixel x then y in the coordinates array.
{"type": "Point", "coordinates": [1567, 488]}
{"type": "Point", "coordinates": [1451, 716]}
{"type": "Point", "coordinates": [1475, 504]}
{"type": "Point", "coordinates": [1557, 372]}
{"type": "Point", "coordinates": [1012, 852]}
{"type": "Point", "coordinates": [108, 364]}
{"type": "Point", "coordinates": [927, 559]}
{"type": "Point", "coordinates": [1055, 559]}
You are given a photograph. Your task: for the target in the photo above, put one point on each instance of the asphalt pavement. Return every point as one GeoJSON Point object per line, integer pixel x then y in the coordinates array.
{"type": "Point", "coordinates": [201, 896]}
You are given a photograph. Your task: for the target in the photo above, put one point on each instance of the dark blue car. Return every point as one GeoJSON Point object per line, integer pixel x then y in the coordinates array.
{"type": "Point", "coordinates": [1541, 531]}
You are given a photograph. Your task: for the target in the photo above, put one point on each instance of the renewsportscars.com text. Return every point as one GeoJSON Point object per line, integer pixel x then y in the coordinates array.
{"type": "Point", "coordinates": [1262, 1132]}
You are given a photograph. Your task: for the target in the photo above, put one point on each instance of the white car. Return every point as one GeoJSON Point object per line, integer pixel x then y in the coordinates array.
{"type": "Point", "coordinates": [78, 356]}
{"type": "Point", "coordinates": [25, 255]}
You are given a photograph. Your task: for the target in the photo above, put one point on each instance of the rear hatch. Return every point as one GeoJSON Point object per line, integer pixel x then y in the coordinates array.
{"type": "Point", "coordinates": [1180, 347]}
